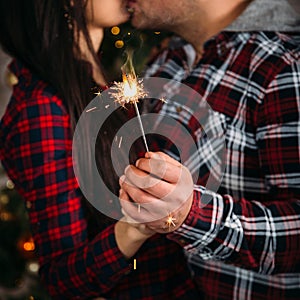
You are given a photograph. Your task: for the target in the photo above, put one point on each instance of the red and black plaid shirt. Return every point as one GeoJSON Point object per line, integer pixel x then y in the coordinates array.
{"type": "Point", "coordinates": [36, 151]}
{"type": "Point", "coordinates": [245, 242]}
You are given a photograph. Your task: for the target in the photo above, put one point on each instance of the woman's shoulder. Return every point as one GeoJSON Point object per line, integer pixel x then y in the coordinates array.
{"type": "Point", "coordinates": [33, 103]}
{"type": "Point", "coordinates": [31, 90]}
{"type": "Point", "coordinates": [275, 47]}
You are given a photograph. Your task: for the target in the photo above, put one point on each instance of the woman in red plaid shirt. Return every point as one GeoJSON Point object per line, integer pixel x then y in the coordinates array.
{"type": "Point", "coordinates": [83, 254]}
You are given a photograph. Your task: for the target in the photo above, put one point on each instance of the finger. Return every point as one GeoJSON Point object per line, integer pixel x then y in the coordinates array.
{"type": "Point", "coordinates": [156, 208]}
{"type": "Point", "coordinates": [160, 168]}
{"type": "Point", "coordinates": [137, 177]}
{"type": "Point", "coordinates": [146, 200]}
{"type": "Point", "coordinates": [164, 156]}
{"type": "Point", "coordinates": [174, 193]}
{"type": "Point", "coordinates": [123, 195]}
{"type": "Point", "coordinates": [144, 216]}
{"type": "Point", "coordinates": [137, 180]}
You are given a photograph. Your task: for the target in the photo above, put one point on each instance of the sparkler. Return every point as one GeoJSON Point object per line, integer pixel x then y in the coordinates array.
{"type": "Point", "coordinates": [130, 91]}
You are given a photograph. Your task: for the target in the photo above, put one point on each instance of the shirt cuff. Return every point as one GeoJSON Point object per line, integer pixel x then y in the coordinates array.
{"type": "Point", "coordinates": [108, 258]}
{"type": "Point", "coordinates": [179, 235]}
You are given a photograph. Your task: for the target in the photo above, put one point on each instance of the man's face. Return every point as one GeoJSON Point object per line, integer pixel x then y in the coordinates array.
{"type": "Point", "coordinates": [158, 14]}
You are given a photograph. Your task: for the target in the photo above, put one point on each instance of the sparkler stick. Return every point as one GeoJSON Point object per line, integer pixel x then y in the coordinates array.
{"type": "Point", "coordinates": [141, 126]}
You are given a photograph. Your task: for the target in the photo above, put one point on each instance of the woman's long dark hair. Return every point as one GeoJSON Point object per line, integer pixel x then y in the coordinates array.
{"type": "Point", "coordinates": [44, 35]}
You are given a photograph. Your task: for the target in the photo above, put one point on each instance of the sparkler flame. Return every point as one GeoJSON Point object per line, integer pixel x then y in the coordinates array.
{"type": "Point", "coordinates": [131, 89]}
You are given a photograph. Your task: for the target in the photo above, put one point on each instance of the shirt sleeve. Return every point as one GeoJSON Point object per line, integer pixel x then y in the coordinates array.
{"type": "Point", "coordinates": [40, 162]}
{"type": "Point", "coordinates": [259, 235]}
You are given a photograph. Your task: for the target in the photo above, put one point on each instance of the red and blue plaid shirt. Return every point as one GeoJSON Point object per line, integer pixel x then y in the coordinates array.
{"type": "Point", "coordinates": [245, 242]}
{"type": "Point", "coordinates": [36, 151]}
{"type": "Point", "coordinates": [244, 245]}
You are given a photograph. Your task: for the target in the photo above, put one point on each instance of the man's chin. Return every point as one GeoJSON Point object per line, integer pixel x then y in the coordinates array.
{"type": "Point", "coordinates": [135, 22]}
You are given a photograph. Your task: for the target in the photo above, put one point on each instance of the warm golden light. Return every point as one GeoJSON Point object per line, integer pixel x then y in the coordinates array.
{"type": "Point", "coordinates": [6, 216]}
{"type": "Point", "coordinates": [170, 221]}
{"type": "Point", "coordinates": [33, 267]}
{"type": "Point", "coordinates": [119, 44]}
{"type": "Point", "coordinates": [10, 185]}
{"type": "Point", "coordinates": [29, 246]}
{"type": "Point", "coordinates": [130, 87]}
{"type": "Point", "coordinates": [4, 199]}
{"type": "Point", "coordinates": [115, 30]}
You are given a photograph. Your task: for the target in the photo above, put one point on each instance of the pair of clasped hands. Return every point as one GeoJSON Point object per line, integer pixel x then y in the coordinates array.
{"type": "Point", "coordinates": [156, 194]}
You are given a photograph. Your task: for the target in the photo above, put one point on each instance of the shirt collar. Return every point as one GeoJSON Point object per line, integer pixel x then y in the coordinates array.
{"type": "Point", "coordinates": [260, 15]}
{"type": "Point", "coordinates": [268, 15]}
{"type": "Point", "coordinates": [218, 45]}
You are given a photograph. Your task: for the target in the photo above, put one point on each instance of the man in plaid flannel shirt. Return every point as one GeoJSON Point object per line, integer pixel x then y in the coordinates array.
{"type": "Point", "coordinates": [243, 58]}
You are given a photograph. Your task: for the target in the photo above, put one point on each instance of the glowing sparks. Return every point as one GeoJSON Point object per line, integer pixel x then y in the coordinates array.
{"type": "Point", "coordinates": [170, 221]}
{"type": "Point", "coordinates": [120, 142]}
{"type": "Point", "coordinates": [128, 91]}
{"type": "Point", "coordinates": [91, 109]}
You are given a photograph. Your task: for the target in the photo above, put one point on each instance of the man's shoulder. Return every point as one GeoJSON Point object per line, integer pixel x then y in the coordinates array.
{"type": "Point", "coordinates": [275, 46]}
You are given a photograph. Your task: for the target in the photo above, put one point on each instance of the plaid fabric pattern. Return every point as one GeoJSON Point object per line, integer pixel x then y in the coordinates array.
{"type": "Point", "coordinates": [245, 242]}
{"type": "Point", "coordinates": [36, 151]}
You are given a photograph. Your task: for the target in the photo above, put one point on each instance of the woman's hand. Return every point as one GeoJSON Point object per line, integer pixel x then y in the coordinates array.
{"type": "Point", "coordinates": [129, 234]}
{"type": "Point", "coordinates": [159, 192]}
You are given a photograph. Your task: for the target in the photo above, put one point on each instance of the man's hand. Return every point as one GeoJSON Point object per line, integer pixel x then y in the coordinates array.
{"type": "Point", "coordinates": [157, 191]}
